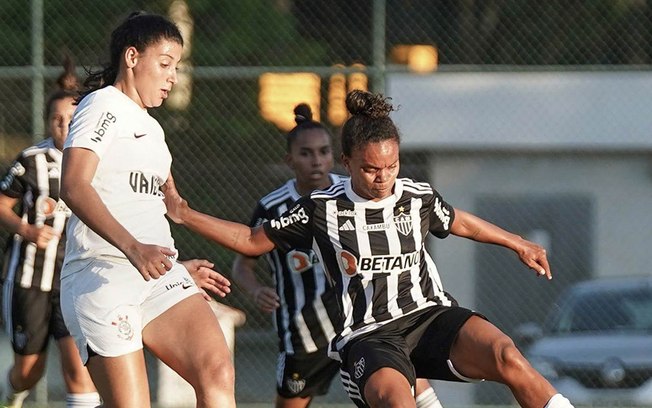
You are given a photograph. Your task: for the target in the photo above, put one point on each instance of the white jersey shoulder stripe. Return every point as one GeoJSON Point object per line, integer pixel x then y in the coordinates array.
{"type": "Point", "coordinates": [42, 147]}
{"type": "Point", "coordinates": [276, 197]}
{"type": "Point", "coordinates": [419, 188]}
{"type": "Point", "coordinates": [331, 192]}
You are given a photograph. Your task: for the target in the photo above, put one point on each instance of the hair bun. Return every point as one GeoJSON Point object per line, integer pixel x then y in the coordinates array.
{"type": "Point", "coordinates": [365, 103]}
{"type": "Point", "coordinates": [67, 81]}
{"type": "Point", "coordinates": [302, 113]}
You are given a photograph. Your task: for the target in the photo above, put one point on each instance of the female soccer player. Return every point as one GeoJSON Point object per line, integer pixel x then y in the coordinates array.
{"type": "Point", "coordinates": [303, 302]}
{"type": "Point", "coordinates": [121, 285]}
{"type": "Point", "coordinates": [398, 323]}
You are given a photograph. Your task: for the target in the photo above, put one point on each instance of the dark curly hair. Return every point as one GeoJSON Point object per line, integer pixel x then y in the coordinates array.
{"type": "Point", "coordinates": [369, 121]}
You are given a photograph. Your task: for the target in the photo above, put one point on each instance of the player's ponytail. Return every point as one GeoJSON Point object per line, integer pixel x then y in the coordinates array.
{"type": "Point", "coordinates": [303, 119]}
{"type": "Point", "coordinates": [67, 85]}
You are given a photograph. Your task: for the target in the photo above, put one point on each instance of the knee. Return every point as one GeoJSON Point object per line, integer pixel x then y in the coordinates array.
{"type": "Point", "coordinates": [26, 377]}
{"type": "Point", "coordinates": [510, 362]}
{"type": "Point", "coordinates": [217, 374]}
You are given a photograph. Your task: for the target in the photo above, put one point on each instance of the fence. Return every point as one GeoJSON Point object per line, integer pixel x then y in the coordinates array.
{"type": "Point", "coordinates": [249, 62]}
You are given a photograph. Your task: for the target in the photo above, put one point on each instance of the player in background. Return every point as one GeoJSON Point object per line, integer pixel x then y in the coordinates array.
{"type": "Point", "coordinates": [303, 302]}
{"type": "Point", "coordinates": [33, 259]}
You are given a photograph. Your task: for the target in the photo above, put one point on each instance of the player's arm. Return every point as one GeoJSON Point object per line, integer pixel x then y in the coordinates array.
{"type": "Point", "coordinates": [232, 235]}
{"type": "Point", "coordinates": [244, 275]}
{"type": "Point", "coordinates": [10, 221]}
{"type": "Point", "coordinates": [469, 226]}
{"type": "Point", "coordinates": [77, 171]}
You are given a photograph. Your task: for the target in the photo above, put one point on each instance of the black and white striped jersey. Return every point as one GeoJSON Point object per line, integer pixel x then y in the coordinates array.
{"type": "Point", "coordinates": [34, 179]}
{"type": "Point", "coordinates": [305, 320]}
{"type": "Point", "coordinates": [373, 251]}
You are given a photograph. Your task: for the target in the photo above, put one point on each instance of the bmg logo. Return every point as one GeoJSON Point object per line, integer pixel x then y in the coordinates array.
{"type": "Point", "coordinates": [103, 124]}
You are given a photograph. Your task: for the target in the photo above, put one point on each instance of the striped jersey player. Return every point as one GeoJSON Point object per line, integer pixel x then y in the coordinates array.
{"type": "Point", "coordinates": [34, 179]}
{"type": "Point", "coordinates": [307, 314]}
{"type": "Point", "coordinates": [373, 251]}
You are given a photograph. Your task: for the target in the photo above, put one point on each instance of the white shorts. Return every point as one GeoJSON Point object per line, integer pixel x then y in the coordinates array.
{"type": "Point", "coordinates": [106, 303]}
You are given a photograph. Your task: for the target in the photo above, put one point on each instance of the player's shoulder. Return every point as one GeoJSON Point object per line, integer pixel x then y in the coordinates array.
{"type": "Point", "coordinates": [334, 190]}
{"type": "Point", "coordinates": [279, 195]}
{"type": "Point", "coordinates": [419, 188]}
{"type": "Point", "coordinates": [41, 147]}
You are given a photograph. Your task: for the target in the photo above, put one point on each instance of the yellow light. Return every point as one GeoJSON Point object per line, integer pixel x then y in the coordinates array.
{"type": "Point", "coordinates": [422, 58]}
{"type": "Point", "coordinates": [281, 93]}
{"type": "Point", "coordinates": [358, 80]}
{"type": "Point", "coordinates": [418, 58]}
{"type": "Point", "coordinates": [337, 113]}
{"type": "Point", "coordinates": [181, 94]}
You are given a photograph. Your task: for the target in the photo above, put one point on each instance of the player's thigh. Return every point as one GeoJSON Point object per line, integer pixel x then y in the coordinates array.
{"type": "Point", "coordinates": [121, 381]}
{"type": "Point", "coordinates": [188, 338]}
{"type": "Point", "coordinates": [75, 375]}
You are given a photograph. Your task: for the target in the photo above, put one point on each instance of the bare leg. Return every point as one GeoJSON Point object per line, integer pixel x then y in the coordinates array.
{"type": "Point", "coordinates": [388, 387]}
{"type": "Point", "coordinates": [482, 351]}
{"type": "Point", "coordinates": [188, 338]}
{"type": "Point", "coordinates": [121, 381]}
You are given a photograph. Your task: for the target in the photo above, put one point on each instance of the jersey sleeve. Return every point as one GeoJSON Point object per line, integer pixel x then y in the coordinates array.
{"type": "Point", "coordinates": [259, 216]}
{"type": "Point", "coordinates": [94, 125]}
{"type": "Point", "coordinates": [294, 228]}
{"type": "Point", "coordinates": [13, 183]}
{"type": "Point", "coordinates": [442, 215]}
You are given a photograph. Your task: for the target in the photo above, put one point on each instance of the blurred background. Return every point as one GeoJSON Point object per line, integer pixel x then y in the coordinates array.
{"type": "Point", "coordinates": [535, 115]}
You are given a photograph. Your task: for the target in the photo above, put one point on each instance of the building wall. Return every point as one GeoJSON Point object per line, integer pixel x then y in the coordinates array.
{"type": "Point", "coordinates": [618, 187]}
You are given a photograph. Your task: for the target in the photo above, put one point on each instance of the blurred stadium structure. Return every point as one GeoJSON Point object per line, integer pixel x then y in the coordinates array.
{"type": "Point", "coordinates": [533, 114]}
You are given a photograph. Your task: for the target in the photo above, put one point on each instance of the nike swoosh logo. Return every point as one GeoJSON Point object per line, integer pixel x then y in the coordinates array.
{"type": "Point", "coordinates": [137, 136]}
{"type": "Point", "coordinates": [186, 286]}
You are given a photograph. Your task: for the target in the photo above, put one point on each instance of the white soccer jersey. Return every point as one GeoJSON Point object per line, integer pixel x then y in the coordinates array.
{"type": "Point", "coordinates": [134, 162]}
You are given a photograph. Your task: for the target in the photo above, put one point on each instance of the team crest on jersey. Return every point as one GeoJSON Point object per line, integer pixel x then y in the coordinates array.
{"type": "Point", "coordinates": [300, 261]}
{"type": "Point", "coordinates": [295, 384]}
{"type": "Point", "coordinates": [358, 368]}
{"type": "Point", "coordinates": [48, 206]}
{"type": "Point", "coordinates": [125, 331]}
{"type": "Point", "coordinates": [403, 222]}
{"type": "Point", "coordinates": [348, 262]}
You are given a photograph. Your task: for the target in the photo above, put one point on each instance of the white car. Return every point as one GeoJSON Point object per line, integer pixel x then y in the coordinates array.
{"type": "Point", "coordinates": [596, 348]}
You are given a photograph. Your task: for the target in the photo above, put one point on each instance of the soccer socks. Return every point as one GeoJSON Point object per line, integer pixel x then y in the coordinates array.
{"type": "Point", "coordinates": [558, 401]}
{"type": "Point", "coordinates": [10, 397]}
{"type": "Point", "coordinates": [428, 399]}
{"type": "Point", "coordinates": [86, 400]}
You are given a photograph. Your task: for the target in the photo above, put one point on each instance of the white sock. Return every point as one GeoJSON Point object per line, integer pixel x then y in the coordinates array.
{"type": "Point", "coordinates": [558, 401]}
{"type": "Point", "coordinates": [10, 397]}
{"type": "Point", "coordinates": [428, 399]}
{"type": "Point", "coordinates": [85, 400]}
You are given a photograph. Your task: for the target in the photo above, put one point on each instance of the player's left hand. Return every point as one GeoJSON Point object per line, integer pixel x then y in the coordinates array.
{"type": "Point", "coordinates": [206, 278]}
{"type": "Point", "coordinates": [534, 256]}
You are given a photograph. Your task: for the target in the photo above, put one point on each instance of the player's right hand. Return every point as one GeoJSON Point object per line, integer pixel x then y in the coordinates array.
{"type": "Point", "coordinates": [266, 299]}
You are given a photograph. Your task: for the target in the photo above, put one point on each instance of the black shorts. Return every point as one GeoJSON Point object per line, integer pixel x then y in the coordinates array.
{"type": "Point", "coordinates": [305, 375]}
{"type": "Point", "coordinates": [416, 345]}
{"type": "Point", "coordinates": [35, 316]}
